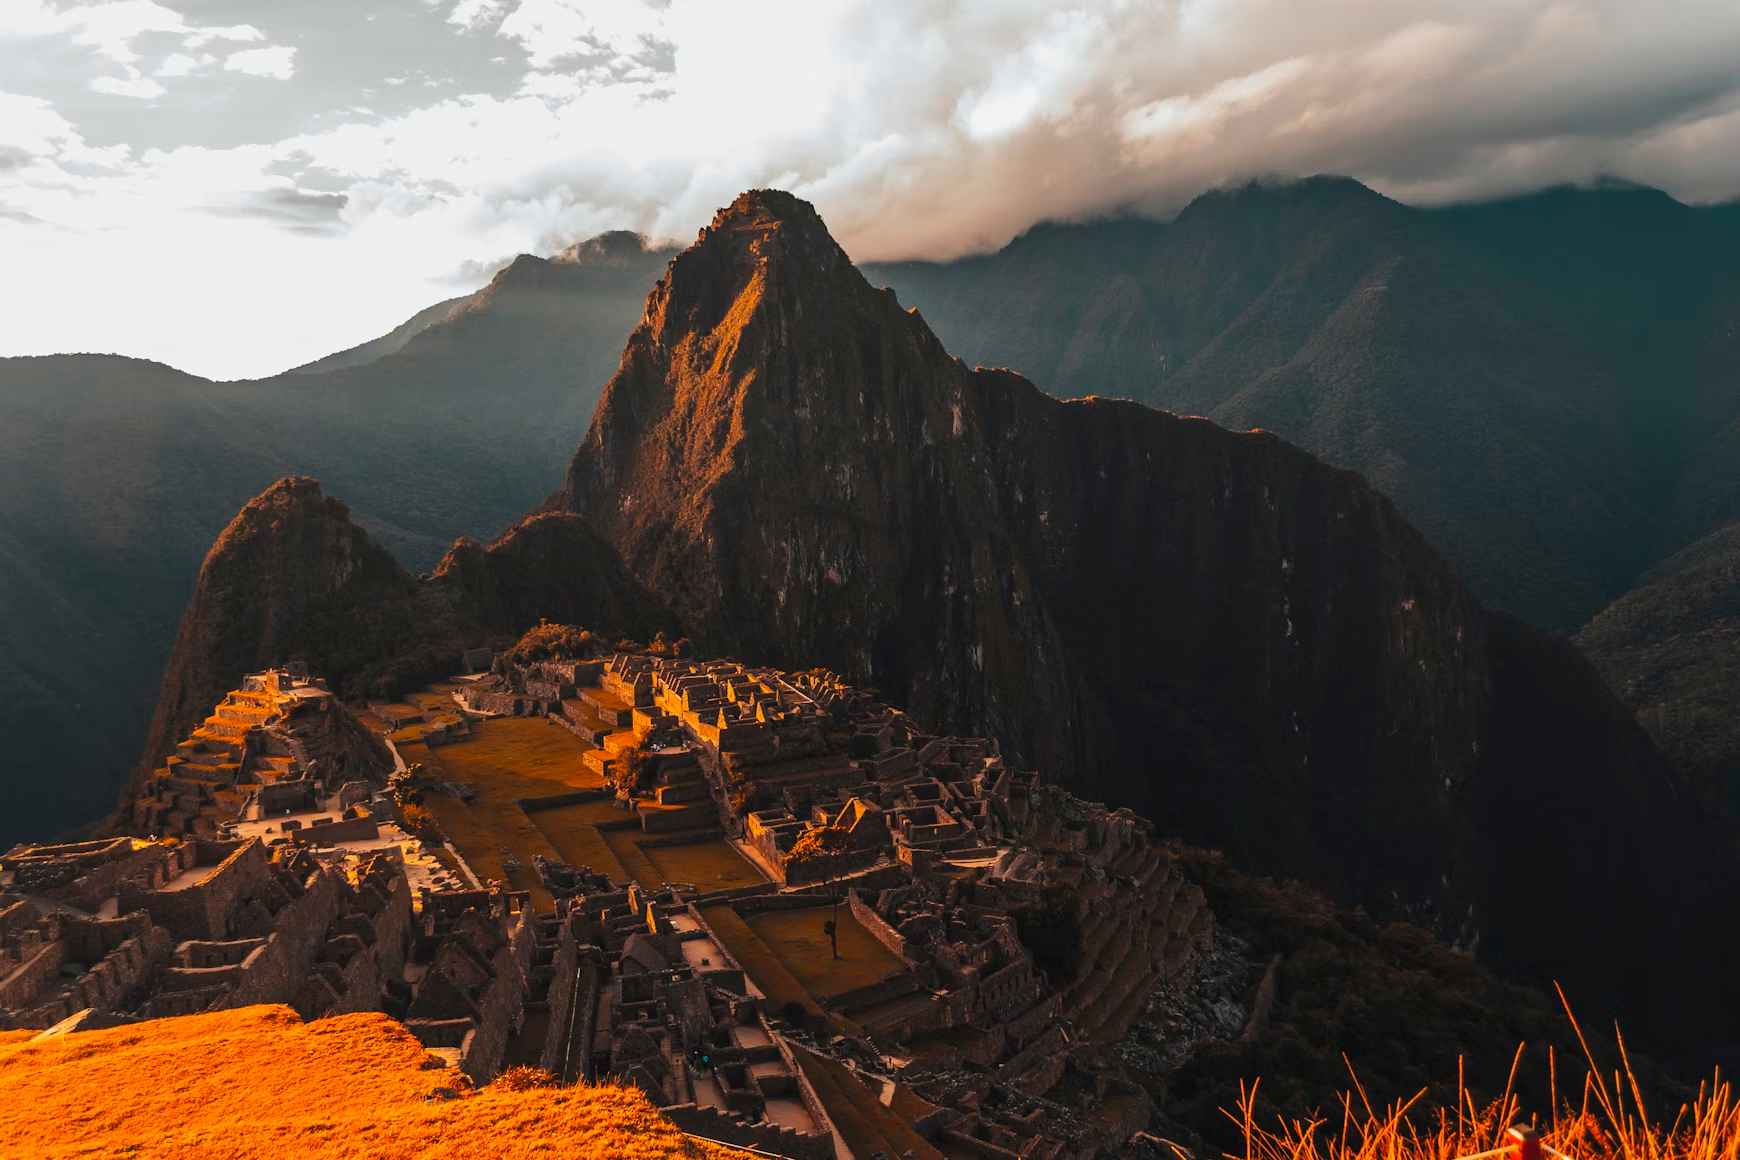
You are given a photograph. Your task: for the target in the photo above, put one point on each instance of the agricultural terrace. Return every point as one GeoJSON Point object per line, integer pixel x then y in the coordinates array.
{"type": "Point", "coordinates": [410, 718]}
{"type": "Point", "coordinates": [708, 864]}
{"type": "Point", "coordinates": [574, 831]}
{"type": "Point", "coordinates": [506, 758]}
{"type": "Point", "coordinates": [759, 961]}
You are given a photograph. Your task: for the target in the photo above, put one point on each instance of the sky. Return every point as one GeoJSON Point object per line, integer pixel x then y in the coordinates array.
{"type": "Point", "coordinates": [234, 187]}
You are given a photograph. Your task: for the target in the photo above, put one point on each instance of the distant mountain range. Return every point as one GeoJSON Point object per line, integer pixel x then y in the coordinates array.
{"type": "Point", "coordinates": [1548, 386]}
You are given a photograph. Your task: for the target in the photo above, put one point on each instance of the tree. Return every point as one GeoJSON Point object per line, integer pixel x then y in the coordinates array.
{"type": "Point", "coordinates": [419, 821]}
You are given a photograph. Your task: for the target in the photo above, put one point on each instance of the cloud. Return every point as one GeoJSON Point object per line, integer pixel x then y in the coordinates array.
{"type": "Point", "coordinates": [243, 33]}
{"type": "Point", "coordinates": [138, 87]}
{"type": "Point", "coordinates": [30, 126]}
{"type": "Point", "coordinates": [111, 32]}
{"type": "Point", "coordinates": [554, 30]}
{"type": "Point", "coordinates": [299, 211]}
{"type": "Point", "coordinates": [277, 62]}
{"type": "Point", "coordinates": [179, 64]}
{"type": "Point", "coordinates": [479, 14]}
{"type": "Point", "coordinates": [917, 128]}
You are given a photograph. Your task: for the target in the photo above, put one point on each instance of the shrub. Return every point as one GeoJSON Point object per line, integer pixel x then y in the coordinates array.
{"type": "Point", "coordinates": [552, 642]}
{"type": "Point", "coordinates": [523, 1078]}
{"type": "Point", "coordinates": [1598, 1115]}
{"type": "Point", "coordinates": [419, 821]}
{"type": "Point", "coordinates": [818, 843]}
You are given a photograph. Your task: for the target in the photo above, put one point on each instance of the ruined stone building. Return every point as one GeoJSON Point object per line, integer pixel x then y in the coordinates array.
{"type": "Point", "coordinates": [126, 929]}
{"type": "Point", "coordinates": [1030, 926]}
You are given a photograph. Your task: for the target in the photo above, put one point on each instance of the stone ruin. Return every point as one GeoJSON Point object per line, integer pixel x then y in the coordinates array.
{"type": "Point", "coordinates": [1030, 926]}
{"type": "Point", "coordinates": [279, 740]}
{"type": "Point", "coordinates": [125, 929]}
{"type": "Point", "coordinates": [663, 1006]}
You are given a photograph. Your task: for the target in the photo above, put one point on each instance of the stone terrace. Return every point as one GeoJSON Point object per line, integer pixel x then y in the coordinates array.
{"type": "Point", "coordinates": [280, 737]}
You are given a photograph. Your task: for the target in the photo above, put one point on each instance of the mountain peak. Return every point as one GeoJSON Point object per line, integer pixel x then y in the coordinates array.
{"type": "Point", "coordinates": [770, 227]}
{"type": "Point", "coordinates": [292, 497]}
{"type": "Point", "coordinates": [1316, 194]}
{"type": "Point", "coordinates": [767, 255]}
{"type": "Point", "coordinates": [612, 249]}
{"type": "Point", "coordinates": [769, 208]}
{"type": "Point", "coordinates": [285, 580]}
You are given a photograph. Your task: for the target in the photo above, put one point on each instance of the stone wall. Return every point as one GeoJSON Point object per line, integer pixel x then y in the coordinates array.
{"type": "Point", "coordinates": [823, 869]}
{"type": "Point", "coordinates": [202, 911]}
{"type": "Point", "coordinates": [502, 1004]}
{"type": "Point", "coordinates": [877, 926]}
{"type": "Point", "coordinates": [560, 997]}
{"type": "Point", "coordinates": [1009, 990]}
{"type": "Point", "coordinates": [332, 833]}
{"type": "Point", "coordinates": [126, 954]}
{"type": "Point", "coordinates": [712, 1124]}
{"type": "Point", "coordinates": [38, 964]}
{"type": "Point", "coordinates": [274, 973]}
{"type": "Point", "coordinates": [106, 881]}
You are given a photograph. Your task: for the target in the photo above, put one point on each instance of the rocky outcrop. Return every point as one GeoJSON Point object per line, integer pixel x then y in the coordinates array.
{"type": "Point", "coordinates": [291, 578]}
{"type": "Point", "coordinates": [549, 566]}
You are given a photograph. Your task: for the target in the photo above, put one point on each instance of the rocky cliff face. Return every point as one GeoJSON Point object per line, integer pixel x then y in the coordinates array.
{"type": "Point", "coordinates": [1542, 384]}
{"type": "Point", "coordinates": [1248, 645]}
{"type": "Point", "coordinates": [548, 566]}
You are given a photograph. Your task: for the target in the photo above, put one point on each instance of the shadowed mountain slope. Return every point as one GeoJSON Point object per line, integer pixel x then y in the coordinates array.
{"type": "Point", "coordinates": [1546, 386]}
{"type": "Point", "coordinates": [1671, 648]}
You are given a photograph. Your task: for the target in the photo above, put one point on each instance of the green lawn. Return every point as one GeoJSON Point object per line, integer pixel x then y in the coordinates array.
{"type": "Point", "coordinates": [804, 947]}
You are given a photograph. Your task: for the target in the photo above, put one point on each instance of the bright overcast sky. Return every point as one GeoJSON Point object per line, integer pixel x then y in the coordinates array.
{"type": "Point", "coordinates": [236, 186]}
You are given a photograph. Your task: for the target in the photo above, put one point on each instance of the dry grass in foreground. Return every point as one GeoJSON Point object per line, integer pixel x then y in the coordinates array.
{"type": "Point", "coordinates": [258, 1083]}
{"type": "Point", "coordinates": [1606, 1120]}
